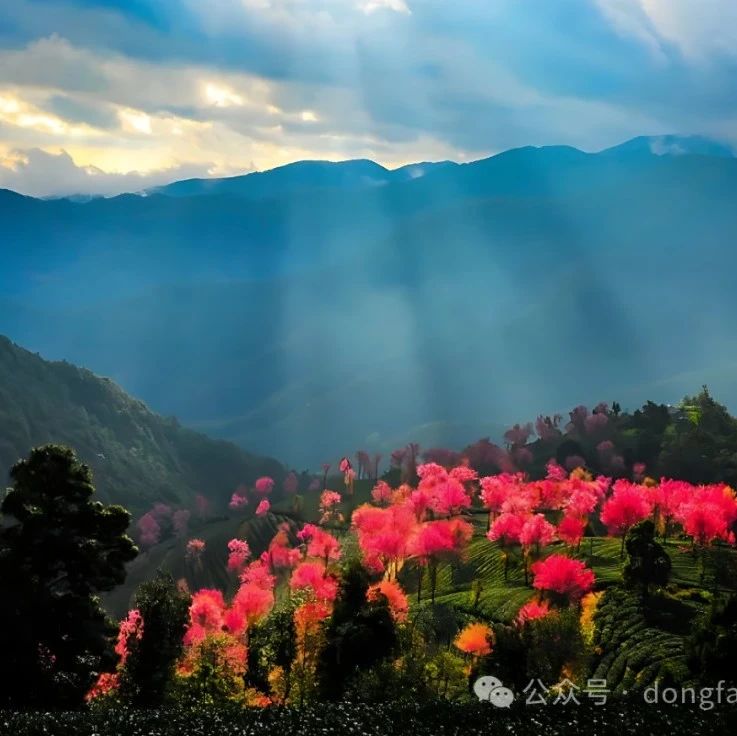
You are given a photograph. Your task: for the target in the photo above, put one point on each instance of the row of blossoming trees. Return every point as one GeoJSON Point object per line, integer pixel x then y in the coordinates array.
{"type": "Point", "coordinates": [404, 536]}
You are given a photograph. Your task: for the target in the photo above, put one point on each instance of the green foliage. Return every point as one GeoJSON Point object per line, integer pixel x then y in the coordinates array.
{"type": "Point", "coordinates": [647, 562]}
{"type": "Point", "coordinates": [702, 446]}
{"type": "Point", "coordinates": [712, 646]}
{"type": "Point", "coordinates": [214, 679]}
{"type": "Point", "coordinates": [508, 657]}
{"type": "Point", "coordinates": [695, 441]}
{"type": "Point", "coordinates": [58, 549]}
{"type": "Point", "coordinates": [359, 636]}
{"type": "Point", "coordinates": [138, 457]}
{"type": "Point", "coordinates": [552, 643]}
{"type": "Point", "coordinates": [272, 643]}
{"type": "Point", "coordinates": [149, 670]}
{"type": "Point", "coordinates": [439, 624]}
{"type": "Point", "coordinates": [446, 675]}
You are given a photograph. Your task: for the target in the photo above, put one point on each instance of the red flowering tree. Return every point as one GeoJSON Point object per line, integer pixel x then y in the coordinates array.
{"type": "Point", "coordinates": [628, 505]}
{"type": "Point", "coordinates": [434, 542]}
{"type": "Point", "coordinates": [563, 578]}
{"type": "Point", "coordinates": [238, 554]}
{"type": "Point", "coordinates": [531, 611]}
{"type": "Point", "coordinates": [537, 532]}
{"type": "Point", "coordinates": [506, 530]}
{"type": "Point", "coordinates": [384, 535]}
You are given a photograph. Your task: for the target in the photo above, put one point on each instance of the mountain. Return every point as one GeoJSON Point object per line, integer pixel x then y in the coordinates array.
{"type": "Point", "coordinates": [673, 145]}
{"type": "Point", "coordinates": [306, 324]}
{"type": "Point", "coordinates": [299, 178]}
{"type": "Point", "coordinates": [138, 458]}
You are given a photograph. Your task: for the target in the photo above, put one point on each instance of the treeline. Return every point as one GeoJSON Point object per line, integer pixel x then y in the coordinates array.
{"type": "Point", "coordinates": [694, 441]}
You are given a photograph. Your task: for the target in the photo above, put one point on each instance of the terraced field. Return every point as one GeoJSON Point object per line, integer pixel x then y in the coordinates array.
{"type": "Point", "coordinates": [631, 648]}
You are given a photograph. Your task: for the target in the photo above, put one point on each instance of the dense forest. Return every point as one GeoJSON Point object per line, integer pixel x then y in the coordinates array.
{"type": "Point", "coordinates": [138, 457]}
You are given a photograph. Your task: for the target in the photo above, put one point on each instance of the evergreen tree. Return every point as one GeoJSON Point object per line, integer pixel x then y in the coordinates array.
{"type": "Point", "coordinates": [647, 562]}
{"type": "Point", "coordinates": [360, 635]}
{"type": "Point", "coordinates": [58, 549]}
{"type": "Point", "coordinates": [149, 668]}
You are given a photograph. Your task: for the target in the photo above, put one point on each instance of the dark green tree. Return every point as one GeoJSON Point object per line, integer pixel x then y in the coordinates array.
{"type": "Point", "coordinates": [360, 635]}
{"type": "Point", "coordinates": [712, 645]}
{"type": "Point", "coordinates": [58, 549]}
{"type": "Point", "coordinates": [647, 562]}
{"type": "Point", "coordinates": [272, 643]}
{"type": "Point", "coordinates": [550, 643]}
{"type": "Point", "coordinates": [149, 668]}
{"type": "Point", "coordinates": [701, 444]}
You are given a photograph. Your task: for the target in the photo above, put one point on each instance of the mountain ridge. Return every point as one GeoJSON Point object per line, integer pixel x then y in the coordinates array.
{"type": "Point", "coordinates": [247, 184]}
{"type": "Point", "coordinates": [138, 458]}
{"type": "Point", "coordinates": [310, 324]}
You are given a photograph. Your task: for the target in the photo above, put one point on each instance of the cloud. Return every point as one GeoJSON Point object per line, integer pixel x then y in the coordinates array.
{"type": "Point", "coordinates": [40, 174]}
{"type": "Point", "coordinates": [232, 83]}
{"type": "Point", "coordinates": [371, 6]}
{"type": "Point", "coordinates": [698, 30]}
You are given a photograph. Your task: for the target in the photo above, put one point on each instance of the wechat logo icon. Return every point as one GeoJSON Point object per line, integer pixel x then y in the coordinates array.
{"type": "Point", "coordinates": [488, 688]}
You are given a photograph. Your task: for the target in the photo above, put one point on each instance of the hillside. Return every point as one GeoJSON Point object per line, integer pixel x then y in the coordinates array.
{"type": "Point", "coordinates": [137, 457]}
{"type": "Point", "coordinates": [303, 314]}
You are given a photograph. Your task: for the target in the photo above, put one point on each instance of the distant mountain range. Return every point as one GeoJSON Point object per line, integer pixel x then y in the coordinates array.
{"type": "Point", "coordinates": [305, 176]}
{"type": "Point", "coordinates": [321, 307]}
{"type": "Point", "coordinates": [138, 458]}
{"type": "Point", "coordinates": [302, 176]}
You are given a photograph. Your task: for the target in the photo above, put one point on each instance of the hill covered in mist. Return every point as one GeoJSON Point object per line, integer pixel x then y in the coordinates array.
{"type": "Point", "coordinates": [319, 308]}
{"type": "Point", "coordinates": [138, 458]}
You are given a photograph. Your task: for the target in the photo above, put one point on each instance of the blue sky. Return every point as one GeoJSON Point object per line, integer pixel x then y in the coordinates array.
{"type": "Point", "coordinates": [109, 96]}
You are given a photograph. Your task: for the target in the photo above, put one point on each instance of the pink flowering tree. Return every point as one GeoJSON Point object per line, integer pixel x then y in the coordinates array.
{"type": "Point", "coordinates": [563, 579]}
{"type": "Point", "coordinates": [532, 611]}
{"type": "Point", "coordinates": [506, 530]}
{"type": "Point", "coordinates": [628, 505]}
{"type": "Point", "coordinates": [381, 494]}
{"type": "Point", "coordinates": [494, 492]}
{"type": "Point", "coordinates": [536, 532]}
{"type": "Point", "coordinates": [319, 543]}
{"type": "Point", "coordinates": [264, 485]}
{"type": "Point", "coordinates": [149, 531]}
{"type": "Point", "coordinates": [707, 517]}
{"type": "Point", "coordinates": [238, 554]}
{"type": "Point", "coordinates": [434, 542]}
{"type": "Point", "coordinates": [384, 535]}
{"type": "Point", "coordinates": [194, 550]}
{"type": "Point", "coordinates": [329, 502]}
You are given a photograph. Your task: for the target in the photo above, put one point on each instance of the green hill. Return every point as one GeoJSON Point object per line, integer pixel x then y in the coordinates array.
{"type": "Point", "coordinates": [137, 457]}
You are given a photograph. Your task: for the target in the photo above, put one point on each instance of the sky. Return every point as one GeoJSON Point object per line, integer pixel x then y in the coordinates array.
{"type": "Point", "coordinates": [107, 96]}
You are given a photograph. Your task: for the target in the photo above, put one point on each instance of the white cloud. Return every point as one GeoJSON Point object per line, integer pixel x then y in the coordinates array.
{"type": "Point", "coordinates": [223, 122]}
{"type": "Point", "coordinates": [16, 111]}
{"type": "Point", "coordinates": [336, 79]}
{"type": "Point", "coordinates": [371, 6]}
{"type": "Point", "coordinates": [221, 96]}
{"type": "Point", "coordinates": [135, 122]}
{"type": "Point", "coordinates": [697, 29]}
{"type": "Point", "coordinates": [39, 173]}
{"type": "Point", "coordinates": [630, 19]}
